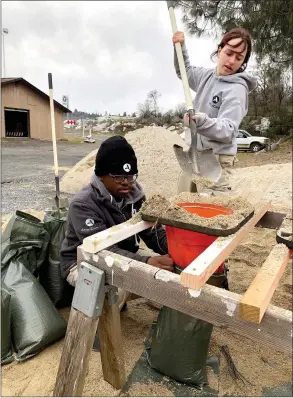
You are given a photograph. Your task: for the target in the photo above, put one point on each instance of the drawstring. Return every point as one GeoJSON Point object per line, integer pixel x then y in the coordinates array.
{"type": "Point", "coordinates": [133, 212]}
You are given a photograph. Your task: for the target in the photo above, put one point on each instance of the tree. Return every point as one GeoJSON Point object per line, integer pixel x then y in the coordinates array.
{"type": "Point", "coordinates": [144, 110]}
{"type": "Point", "coordinates": [268, 21]}
{"type": "Point", "coordinates": [271, 99]}
{"type": "Point", "coordinates": [180, 110]}
{"type": "Point", "coordinates": [124, 114]}
{"type": "Point", "coordinates": [149, 109]}
{"type": "Point", "coordinates": [153, 97]}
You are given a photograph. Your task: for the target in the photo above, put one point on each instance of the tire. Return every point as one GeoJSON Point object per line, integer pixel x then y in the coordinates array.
{"type": "Point", "coordinates": [255, 147]}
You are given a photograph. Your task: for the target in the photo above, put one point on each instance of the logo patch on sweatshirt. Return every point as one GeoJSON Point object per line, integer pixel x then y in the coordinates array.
{"type": "Point", "coordinates": [89, 222]}
{"type": "Point", "coordinates": [216, 99]}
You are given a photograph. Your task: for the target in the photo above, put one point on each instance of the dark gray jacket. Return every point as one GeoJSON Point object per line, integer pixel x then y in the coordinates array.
{"type": "Point", "coordinates": [92, 210]}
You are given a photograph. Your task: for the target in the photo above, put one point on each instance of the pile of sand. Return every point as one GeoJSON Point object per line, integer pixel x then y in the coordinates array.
{"type": "Point", "coordinates": [159, 170]}
{"type": "Point", "coordinates": [157, 164]}
{"type": "Point", "coordinates": [80, 175]}
{"type": "Point", "coordinates": [160, 209]}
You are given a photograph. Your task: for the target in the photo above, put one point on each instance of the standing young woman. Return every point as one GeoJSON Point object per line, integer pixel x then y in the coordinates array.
{"type": "Point", "coordinates": [221, 100]}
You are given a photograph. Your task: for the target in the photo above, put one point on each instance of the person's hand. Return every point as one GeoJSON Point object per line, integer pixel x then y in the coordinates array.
{"type": "Point", "coordinates": [72, 277]}
{"type": "Point", "coordinates": [163, 262]}
{"type": "Point", "coordinates": [198, 118]}
{"type": "Point", "coordinates": [178, 37]}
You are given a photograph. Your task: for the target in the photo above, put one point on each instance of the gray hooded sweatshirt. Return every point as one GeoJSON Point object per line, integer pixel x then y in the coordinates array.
{"type": "Point", "coordinates": [93, 210]}
{"type": "Point", "coordinates": [223, 100]}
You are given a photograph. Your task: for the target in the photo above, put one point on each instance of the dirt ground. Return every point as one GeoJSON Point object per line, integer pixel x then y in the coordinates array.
{"type": "Point", "coordinates": [36, 376]}
{"type": "Point", "coordinates": [27, 172]}
{"type": "Point", "coordinates": [281, 155]}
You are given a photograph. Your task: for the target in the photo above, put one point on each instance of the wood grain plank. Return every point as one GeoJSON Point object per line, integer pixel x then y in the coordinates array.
{"type": "Point", "coordinates": [257, 297]}
{"type": "Point", "coordinates": [199, 271]}
{"type": "Point", "coordinates": [110, 236]}
{"type": "Point", "coordinates": [110, 339]}
{"type": "Point", "coordinates": [214, 305]}
{"type": "Point", "coordinates": [75, 356]}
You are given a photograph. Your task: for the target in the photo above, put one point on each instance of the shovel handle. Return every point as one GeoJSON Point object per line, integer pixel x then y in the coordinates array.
{"type": "Point", "coordinates": [50, 81]}
{"type": "Point", "coordinates": [187, 93]}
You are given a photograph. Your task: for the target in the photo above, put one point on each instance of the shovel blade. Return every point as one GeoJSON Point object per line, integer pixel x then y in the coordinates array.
{"type": "Point", "coordinates": [208, 166]}
{"type": "Point", "coordinates": [183, 159]}
{"type": "Point", "coordinates": [204, 164]}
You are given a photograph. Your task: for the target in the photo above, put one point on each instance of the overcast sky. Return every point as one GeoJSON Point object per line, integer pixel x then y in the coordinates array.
{"type": "Point", "coordinates": [105, 55]}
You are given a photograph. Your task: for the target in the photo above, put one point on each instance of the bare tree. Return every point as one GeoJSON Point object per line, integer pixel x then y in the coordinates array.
{"type": "Point", "coordinates": [153, 97]}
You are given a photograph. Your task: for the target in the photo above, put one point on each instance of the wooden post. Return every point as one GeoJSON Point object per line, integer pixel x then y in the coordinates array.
{"type": "Point", "coordinates": [110, 339]}
{"type": "Point", "coordinates": [75, 356]}
{"type": "Point", "coordinates": [257, 297]}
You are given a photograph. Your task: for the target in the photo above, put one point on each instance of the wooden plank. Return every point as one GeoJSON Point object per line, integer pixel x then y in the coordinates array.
{"type": "Point", "coordinates": [110, 339]}
{"type": "Point", "coordinates": [199, 271]}
{"type": "Point", "coordinates": [257, 297]}
{"type": "Point", "coordinates": [110, 236]}
{"type": "Point", "coordinates": [214, 305]}
{"type": "Point", "coordinates": [75, 356]}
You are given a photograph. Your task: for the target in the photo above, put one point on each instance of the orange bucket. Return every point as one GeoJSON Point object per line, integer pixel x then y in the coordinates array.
{"type": "Point", "coordinates": [185, 246]}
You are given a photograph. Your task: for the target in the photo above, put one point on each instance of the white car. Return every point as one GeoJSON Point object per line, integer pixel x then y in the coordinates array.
{"type": "Point", "coordinates": [248, 142]}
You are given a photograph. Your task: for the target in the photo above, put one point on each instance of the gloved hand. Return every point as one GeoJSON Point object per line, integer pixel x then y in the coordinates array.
{"type": "Point", "coordinates": [199, 119]}
{"type": "Point", "coordinates": [72, 277]}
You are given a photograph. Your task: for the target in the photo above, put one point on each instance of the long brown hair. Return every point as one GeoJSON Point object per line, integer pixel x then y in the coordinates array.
{"type": "Point", "coordinates": [237, 33]}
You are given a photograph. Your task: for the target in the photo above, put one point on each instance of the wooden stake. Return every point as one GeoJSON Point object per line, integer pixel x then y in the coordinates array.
{"type": "Point", "coordinates": [257, 297]}
{"type": "Point", "coordinates": [110, 339]}
{"type": "Point", "coordinates": [75, 356]}
{"type": "Point", "coordinates": [110, 236]}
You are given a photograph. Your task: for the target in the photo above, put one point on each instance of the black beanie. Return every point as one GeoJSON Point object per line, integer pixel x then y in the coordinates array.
{"type": "Point", "coordinates": [115, 156]}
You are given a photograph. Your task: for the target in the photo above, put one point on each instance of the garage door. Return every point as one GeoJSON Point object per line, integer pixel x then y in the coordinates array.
{"type": "Point", "coordinates": [16, 122]}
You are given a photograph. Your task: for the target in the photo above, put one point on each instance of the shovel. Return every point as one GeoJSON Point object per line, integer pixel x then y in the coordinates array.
{"type": "Point", "coordinates": [58, 202]}
{"type": "Point", "coordinates": [192, 162]}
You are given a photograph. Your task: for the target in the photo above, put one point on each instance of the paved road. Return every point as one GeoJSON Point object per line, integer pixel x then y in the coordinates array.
{"type": "Point", "coordinates": [27, 175]}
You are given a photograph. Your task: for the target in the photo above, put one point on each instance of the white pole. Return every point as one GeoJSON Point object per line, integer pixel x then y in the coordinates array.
{"type": "Point", "coordinates": [4, 74]}
{"type": "Point", "coordinates": [187, 93]}
{"type": "Point", "coordinates": [4, 32]}
{"type": "Point", "coordinates": [54, 138]}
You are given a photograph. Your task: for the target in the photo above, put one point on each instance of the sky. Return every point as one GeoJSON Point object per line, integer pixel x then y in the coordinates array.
{"type": "Point", "coordinates": [104, 55]}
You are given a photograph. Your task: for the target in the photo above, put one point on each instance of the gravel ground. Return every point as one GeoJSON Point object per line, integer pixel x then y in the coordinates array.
{"type": "Point", "coordinates": [27, 172]}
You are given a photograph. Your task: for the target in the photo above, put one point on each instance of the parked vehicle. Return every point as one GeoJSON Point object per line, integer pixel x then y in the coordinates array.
{"type": "Point", "coordinates": [248, 142]}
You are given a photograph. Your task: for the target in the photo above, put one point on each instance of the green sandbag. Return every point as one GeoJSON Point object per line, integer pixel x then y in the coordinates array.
{"type": "Point", "coordinates": [55, 223]}
{"type": "Point", "coordinates": [180, 343]}
{"type": "Point", "coordinates": [6, 346]}
{"type": "Point", "coordinates": [35, 321]}
{"type": "Point", "coordinates": [25, 235]}
{"type": "Point", "coordinates": [179, 347]}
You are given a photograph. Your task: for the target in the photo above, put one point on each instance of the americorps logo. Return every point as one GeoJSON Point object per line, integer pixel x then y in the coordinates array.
{"type": "Point", "coordinates": [215, 99]}
{"type": "Point", "coordinates": [89, 222]}
{"type": "Point", "coordinates": [127, 167]}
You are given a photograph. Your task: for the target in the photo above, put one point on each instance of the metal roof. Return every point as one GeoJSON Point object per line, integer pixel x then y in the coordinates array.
{"type": "Point", "coordinates": [8, 80]}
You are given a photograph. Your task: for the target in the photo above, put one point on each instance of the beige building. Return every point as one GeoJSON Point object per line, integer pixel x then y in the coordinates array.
{"type": "Point", "coordinates": [26, 111]}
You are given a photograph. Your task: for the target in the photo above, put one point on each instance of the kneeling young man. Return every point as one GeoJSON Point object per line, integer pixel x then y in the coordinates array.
{"type": "Point", "coordinates": [112, 197]}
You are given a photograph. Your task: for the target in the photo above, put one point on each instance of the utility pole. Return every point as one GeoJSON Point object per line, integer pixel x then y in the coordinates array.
{"type": "Point", "coordinates": [4, 32]}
